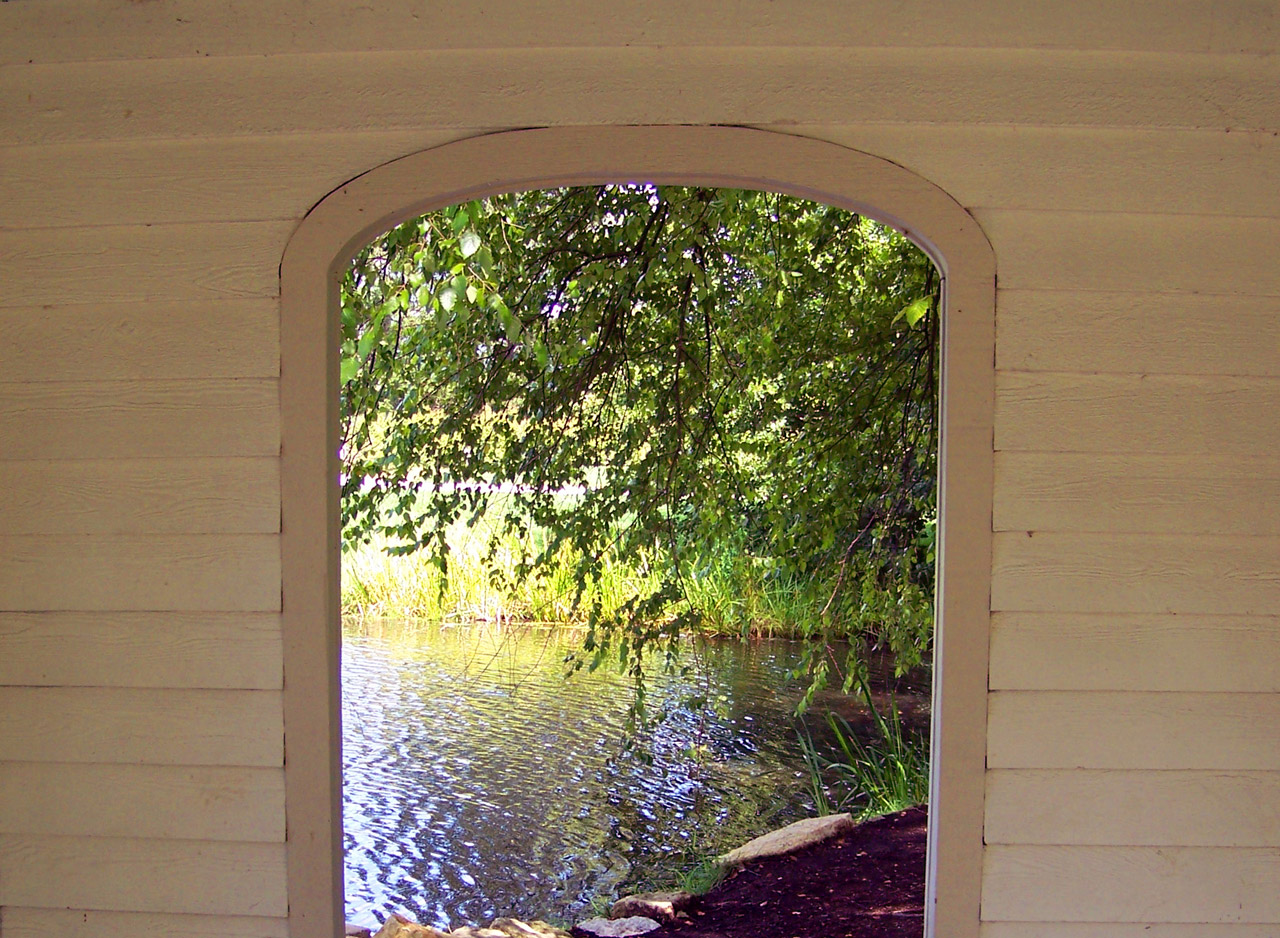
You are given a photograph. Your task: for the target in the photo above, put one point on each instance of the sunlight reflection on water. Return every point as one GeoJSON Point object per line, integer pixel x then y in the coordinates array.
{"type": "Point", "coordinates": [479, 782]}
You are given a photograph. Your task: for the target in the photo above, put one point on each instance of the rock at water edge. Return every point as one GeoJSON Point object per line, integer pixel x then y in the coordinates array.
{"type": "Point", "coordinates": [618, 927]}
{"type": "Point", "coordinates": [789, 839]}
{"type": "Point", "coordinates": [397, 926]}
{"type": "Point", "coordinates": [662, 906]}
{"type": "Point", "coordinates": [511, 928]}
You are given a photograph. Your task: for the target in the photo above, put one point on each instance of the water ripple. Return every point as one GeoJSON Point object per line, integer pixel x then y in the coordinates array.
{"type": "Point", "coordinates": [479, 782]}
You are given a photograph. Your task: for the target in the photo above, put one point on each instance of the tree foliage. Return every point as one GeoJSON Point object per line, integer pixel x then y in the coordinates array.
{"type": "Point", "coordinates": [703, 366]}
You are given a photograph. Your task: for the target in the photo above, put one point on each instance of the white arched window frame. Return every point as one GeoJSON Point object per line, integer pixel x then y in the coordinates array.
{"type": "Point", "coordinates": [314, 263]}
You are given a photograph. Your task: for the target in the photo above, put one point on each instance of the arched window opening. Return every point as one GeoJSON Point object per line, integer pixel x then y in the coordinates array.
{"type": "Point", "coordinates": [694, 431]}
{"type": "Point", "coordinates": [317, 258]}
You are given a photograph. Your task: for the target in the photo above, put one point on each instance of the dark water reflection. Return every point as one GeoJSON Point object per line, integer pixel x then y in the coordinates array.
{"type": "Point", "coordinates": [479, 782]}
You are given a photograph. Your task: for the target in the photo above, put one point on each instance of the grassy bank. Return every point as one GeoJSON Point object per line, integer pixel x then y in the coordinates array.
{"type": "Point", "coordinates": [737, 595]}
{"type": "Point", "coordinates": [734, 592]}
{"type": "Point", "coordinates": [482, 586]}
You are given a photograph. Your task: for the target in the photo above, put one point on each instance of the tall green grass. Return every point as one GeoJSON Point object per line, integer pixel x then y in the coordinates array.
{"type": "Point", "coordinates": [888, 772]}
{"type": "Point", "coordinates": [733, 592]}
{"type": "Point", "coordinates": [480, 587]}
{"type": "Point", "coordinates": [738, 594]}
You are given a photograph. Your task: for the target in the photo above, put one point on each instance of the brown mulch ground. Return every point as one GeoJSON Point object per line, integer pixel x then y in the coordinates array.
{"type": "Point", "coordinates": [868, 883]}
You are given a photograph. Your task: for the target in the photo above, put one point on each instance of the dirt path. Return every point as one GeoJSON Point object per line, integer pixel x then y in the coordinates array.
{"type": "Point", "coordinates": [868, 883]}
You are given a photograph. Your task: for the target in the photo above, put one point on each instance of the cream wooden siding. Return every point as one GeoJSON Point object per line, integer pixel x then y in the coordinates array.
{"type": "Point", "coordinates": [1124, 159]}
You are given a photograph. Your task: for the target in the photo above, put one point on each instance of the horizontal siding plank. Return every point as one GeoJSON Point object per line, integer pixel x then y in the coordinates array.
{"type": "Point", "coordinates": [130, 419]}
{"type": "Point", "coordinates": [152, 727]}
{"type": "Point", "coordinates": [1138, 494]}
{"type": "Point", "coordinates": [1152, 573]}
{"type": "Point", "coordinates": [194, 573]}
{"type": "Point", "coordinates": [142, 649]}
{"type": "Point", "coordinates": [320, 93]}
{"type": "Point", "coordinates": [1130, 884]}
{"type": "Point", "coordinates": [1039, 651]}
{"type": "Point", "coordinates": [141, 496]}
{"type": "Point", "coordinates": [1130, 808]}
{"type": "Point", "coordinates": [1120, 930]}
{"type": "Point", "coordinates": [136, 875]}
{"type": "Point", "coordinates": [1139, 333]}
{"type": "Point", "coordinates": [1176, 414]}
{"type": "Point", "coordinates": [155, 340]}
{"type": "Point", "coordinates": [94, 923]}
{"type": "Point", "coordinates": [135, 263]}
{"type": "Point", "coordinates": [165, 802]}
{"type": "Point", "coordinates": [1106, 730]}
{"type": "Point", "coordinates": [1035, 251]}
{"type": "Point", "coordinates": [75, 31]}
{"type": "Point", "coordinates": [1079, 251]}
{"type": "Point", "coordinates": [184, 181]}
{"type": "Point", "coordinates": [1079, 169]}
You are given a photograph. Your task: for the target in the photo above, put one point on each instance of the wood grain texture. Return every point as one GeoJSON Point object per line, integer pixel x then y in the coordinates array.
{"type": "Point", "coordinates": [135, 875]}
{"type": "Point", "coordinates": [153, 727]}
{"type": "Point", "coordinates": [1087, 251]}
{"type": "Point", "coordinates": [142, 801]}
{"type": "Point", "coordinates": [182, 181]}
{"type": "Point", "coordinates": [136, 182]}
{"type": "Point", "coordinates": [141, 649]}
{"type": "Point", "coordinates": [73, 30]}
{"type": "Point", "coordinates": [1130, 884]}
{"type": "Point", "coordinates": [1131, 808]}
{"type": "Point", "coordinates": [1137, 494]}
{"type": "Point", "coordinates": [1152, 573]}
{"type": "Point", "coordinates": [195, 573]}
{"type": "Point", "coordinates": [1175, 414]}
{"type": "Point", "coordinates": [94, 923]}
{"type": "Point", "coordinates": [141, 496]}
{"type": "Point", "coordinates": [1078, 168]}
{"type": "Point", "coordinates": [318, 93]}
{"type": "Point", "coordinates": [1108, 730]}
{"type": "Point", "coordinates": [1139, 333]}
{"type": "Point", "coordinates": [1122, 930]}
{"type": "Point", "coordinates": [132, 419]}
{"type": "Point", "coordinates": [136, 263]}
{"type": "Point", "coordinates": [147, 341]}
{"type": "Point", "coordinates": [1050, 651]}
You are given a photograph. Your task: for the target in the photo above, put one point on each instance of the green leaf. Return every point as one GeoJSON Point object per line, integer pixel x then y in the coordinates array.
{"type": "Point", "coordinates": [510, 324]}
{"type": "Point", "coordinates": [915, 311]}
{"type": "Point", "coordinates": [349, 368]}
{"type": "Point", "coordinates": [469, 243]}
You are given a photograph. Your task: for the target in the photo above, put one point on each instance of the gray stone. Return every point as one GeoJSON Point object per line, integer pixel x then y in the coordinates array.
{"type": "Point", "coordinates": [618, 927]}
{"type": "Point", "coordinates": [663, 906]}
{"type": "Point", "coordinates": [789, 839]}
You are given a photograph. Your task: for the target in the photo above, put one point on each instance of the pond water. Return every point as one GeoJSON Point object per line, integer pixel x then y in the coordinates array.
{"type": "Point", "coordinates": [478, 781]}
